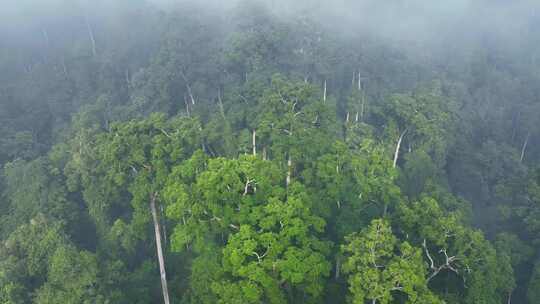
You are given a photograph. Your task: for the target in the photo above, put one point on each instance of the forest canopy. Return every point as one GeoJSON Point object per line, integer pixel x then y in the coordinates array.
{"type": "Point", "coordinates": [269, 152]}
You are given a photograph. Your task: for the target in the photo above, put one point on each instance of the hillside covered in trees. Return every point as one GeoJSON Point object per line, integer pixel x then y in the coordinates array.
{"type": "Point", "coordinates": [270, 152]}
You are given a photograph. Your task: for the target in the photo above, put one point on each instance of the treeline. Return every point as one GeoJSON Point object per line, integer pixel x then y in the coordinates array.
{"type": "Point", "coordinates": [229, 154]}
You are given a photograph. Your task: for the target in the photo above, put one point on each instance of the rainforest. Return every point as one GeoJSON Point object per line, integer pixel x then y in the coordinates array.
{"type": "Point", "coordinates": [269, 151]}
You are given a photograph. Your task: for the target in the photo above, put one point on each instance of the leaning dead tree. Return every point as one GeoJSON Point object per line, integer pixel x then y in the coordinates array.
{"type": "Point", "coordinates": [161, 260]}
{"type": "Point", "coordinates": [398, 145]}
{"type": "Point", "coordinates": [188, 86]}
{"type": "Point", "coordinates": [524, 147]}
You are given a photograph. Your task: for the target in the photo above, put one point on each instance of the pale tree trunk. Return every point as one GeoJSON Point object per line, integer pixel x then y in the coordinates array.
{"type": "Point", "coordinates": [524, 146]}
{"type": "Point", "coordinates": [91, 35]}
{"type": "Point", "coordinates": [221, 109]}
{"type": "Point", "coordinates": [254, 142]}
{"type": "Point", "coordinates": [289, 170]}
{"type": "Point", "coordinates": [190, 94]}
{"type": "Point", "coordinates": [398, 145]}
{"type": "Point", "coordinates": [188, 87]}
{"type": "Point", "coordinates": [347, 118]}
{"type": "Point", "coordinates": [161, 261]}
{"type": "Point", "coordinates": [128, 78]}
{"type": "Point", "coordinates": [324, 91]}
{"type": "Point", "coordinates": [509, 297]}
{"type": "Point", "coordinates": [264, 153]}
{"type": "Point", "coordinates": [64, 68]}
{"type": "Point", "coordinates": [359, 81]}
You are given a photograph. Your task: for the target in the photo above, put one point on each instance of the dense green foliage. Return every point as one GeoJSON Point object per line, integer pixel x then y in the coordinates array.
{"type": "Point", "coordinates": [290, 161]}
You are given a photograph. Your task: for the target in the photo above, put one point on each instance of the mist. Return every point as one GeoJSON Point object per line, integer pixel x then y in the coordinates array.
{"type": "Point", "coordinates": [269, 151]}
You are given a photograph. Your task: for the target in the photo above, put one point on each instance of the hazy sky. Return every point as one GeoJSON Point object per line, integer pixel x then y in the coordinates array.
{"type": "Point", "coordinates": [420, 22]}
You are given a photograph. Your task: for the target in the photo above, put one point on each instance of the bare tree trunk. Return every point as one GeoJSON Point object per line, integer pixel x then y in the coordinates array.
{"type": "Point", "coordinates": [524, 146]}
{"type": "Point", "coordinates": [398, 145]}
{"type": "Point", "coordinates": [347, 118]}
{"type": "Point", "coordinates": [359, 81]}
{"type": "Point", "coordinates": [356, 117]}
{"type": "Point", "coordinates": [221, 109]}
{"type": "Point", "coordinates": [188, 87]}
{"type": "Point", "coordinates": [289, 170]}
{"type": "Point", "coordinates": [509, 297]}
{"type": "Point", "coordinates": [324, 91]}
{"type": "Point", "coordinates": [91, 35]}
{"type": "Point", "coordinates": [254, 142]}
{"type": "Point", "coordinates": [128, 78]}
{"type": "Point", "coordinates": [190, 94]}
{"type": "Point", "coordinates": [162, 273]}
{"type": "Point", "coordinates": [264, 153]}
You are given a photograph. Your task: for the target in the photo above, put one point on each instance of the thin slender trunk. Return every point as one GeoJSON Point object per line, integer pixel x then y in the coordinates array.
{"type": "Point", "coordinates": [162, 273]}
{"type": "Point", "coordinates": [356, 117]}
{"type": "Point", "coordinates": [359, 81]}
{"type": "Point", "coordinates": [509, 297]}
{"type": "Point", "coordinates": [221, 109]}
{"type": "Point", "coordinates": [398, 145]}
{"type": "Point", "coordinates": [91, 35]}
{"type": "Point", "coordinates": [264, 153]}
{"type": "Point", "coordinates": [524, 146]}
{"type": "Point", "coordinates": [190, 94]}
{"type": "Point", "coordinates": [324, 91]}
{"type": "Point", "coordinates": [254, 142]}
{"type": "Point", "coordinates": [128, 78]}
{"type": "Point", "coordinates": [347, 118]}
{"type": "Point", "coordinates": [64, 68]}
{"type": "Point", "coordinates": [188, 87]}
{"type": "Point", "coordinates": [289, 170]}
